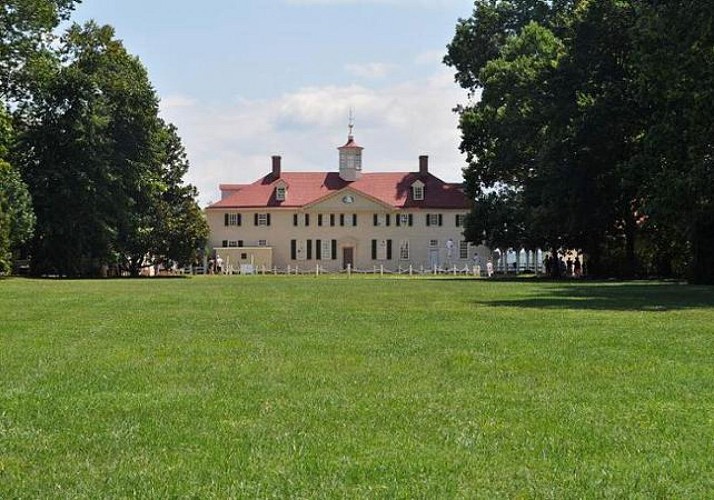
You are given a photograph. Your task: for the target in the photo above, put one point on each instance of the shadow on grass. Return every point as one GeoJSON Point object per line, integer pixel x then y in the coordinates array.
{"type": "Point", "coordinates": [617, 296]}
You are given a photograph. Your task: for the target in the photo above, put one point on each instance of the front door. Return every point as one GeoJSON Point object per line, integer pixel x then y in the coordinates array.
{"type": "Point", "coordinates": [433, 258]}
{"type": "Point", "coordinates": [348, 257]}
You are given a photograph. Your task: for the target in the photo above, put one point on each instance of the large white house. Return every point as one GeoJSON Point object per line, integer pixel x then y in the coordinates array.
{"type": "Point", "coordinates": [333, 220]}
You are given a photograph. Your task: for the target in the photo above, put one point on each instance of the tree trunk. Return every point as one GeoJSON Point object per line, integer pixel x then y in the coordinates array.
{"type": "Point", "coordinates": [702, 246]}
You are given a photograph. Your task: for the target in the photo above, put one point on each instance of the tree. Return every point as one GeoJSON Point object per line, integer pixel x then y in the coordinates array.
{"type": "Point", "coordinates": [16, 216]}
{"type": "Point", "coordinates": [557, 124]}
{"type": "Point", "coordinates": [96, 148]}
{"type": "Point", "coordinates": [675, 65]}
{"type": "Point", "coordinates": [173, 229]}
{"type": "Point", "coordinates": [25, 41]}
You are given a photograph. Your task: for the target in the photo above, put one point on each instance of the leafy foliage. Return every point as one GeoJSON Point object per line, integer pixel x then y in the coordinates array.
{"type": "Point", "coordinates": [17, 219]}
{"type": "Point", "coordinates": [26, 40]}
{"type": "Point", "coordinates": [578, 102]}
{"type": "Point", "coordinates": [98, 150]}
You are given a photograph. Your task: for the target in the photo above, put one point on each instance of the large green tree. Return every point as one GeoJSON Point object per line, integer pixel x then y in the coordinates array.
{"type": "Point", "coordinates": [675, 68]}
{"type": "Point", "coordinates": [98, 161]}
{"type": "Point", "coordinates": [589, 129]}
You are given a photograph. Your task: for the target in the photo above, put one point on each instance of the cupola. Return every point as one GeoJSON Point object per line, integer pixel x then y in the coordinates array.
{"type": "Point", "coordinates": [350, 158]}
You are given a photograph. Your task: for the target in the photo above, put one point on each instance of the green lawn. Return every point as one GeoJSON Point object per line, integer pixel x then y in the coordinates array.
{"type": "Point", "coordinates": [331, 387]}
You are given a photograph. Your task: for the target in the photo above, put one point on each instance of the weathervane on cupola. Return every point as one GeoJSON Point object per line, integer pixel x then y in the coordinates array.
{"type": "Point", "coordinates": [350, 155]}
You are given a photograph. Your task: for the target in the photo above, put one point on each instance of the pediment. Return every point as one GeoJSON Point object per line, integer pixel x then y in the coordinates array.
{"type": "Point", "coordinates": [348, 200]}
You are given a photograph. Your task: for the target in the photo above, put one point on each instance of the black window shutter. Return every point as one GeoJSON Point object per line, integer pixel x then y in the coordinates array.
{"type": "Point", "coordinates": [240, 243]}
{"type": "Point", "coordinates": [354, 219]}
{"type": "Point", "coordinates": [307, 220]}
{"type": "Point", "coordinates": [456, 221]}
{"type": "Point", "coordinates": [240, 219]}
{"type": "Point", "coordinates": [387, 219]}
{"type": "Point", "coordinates": [374, 249]}
{"type": "Point", "coordinates": [342, 219]}
{"type": "Point", "coordinates": [399, 219]}
{"type": "Point", "coordinates": [441, 220]}
{"type": "Point", "coordinates": [295, 219]}
{"type": "Point", "coordinates": [225, 219]}
{"type": "Point", "coordinates": [255, 219]}
{"type": "Point", "coordinates": [376, 220]}
{"type": "Point", "coordinates": [319, 219]}
{"type": "Point", "coordinates": [332, 219]}
{"type": "Point", "coordinates": [411, 219]}
{"type": "Point", "coordinates": [428, 221]}
{"type": "Point", "coordinates": [318, 249]}
{"type": "Point", "coordinates": [334, 249]}
{"type": "Point", "coordinates": [309, 249]}
{"type": "Point", "coordinates": [268, 219]}
{"type": "Point", "coordinates": [389, 249]}
{"type": "Point", "coordinates": [225, 243]}
{"type": "Point", "coordinates": [293, 249]}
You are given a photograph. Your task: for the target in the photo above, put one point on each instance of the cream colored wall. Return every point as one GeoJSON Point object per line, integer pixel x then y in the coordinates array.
{"type": "Point", "coordinates": [256, 256]}
{"type": "Point", "coordinates": [281, 231]}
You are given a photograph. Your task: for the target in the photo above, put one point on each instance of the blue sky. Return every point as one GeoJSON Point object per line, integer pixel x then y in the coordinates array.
{"type": "Point", "coordinates": [246, 79]}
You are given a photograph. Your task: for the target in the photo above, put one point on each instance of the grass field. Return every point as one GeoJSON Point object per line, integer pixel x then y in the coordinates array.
{"type": "Point", "coordinates": [307, 387]}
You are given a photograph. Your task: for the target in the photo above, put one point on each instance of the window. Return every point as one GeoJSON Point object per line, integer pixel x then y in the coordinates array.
{"type": "Point", "coordinates": [404, 250]}
{"type": "Point", "coordinates": [460, 218]}
{"type": "Point", "coordinates": [381, 249]}
{"type": "Point", "coordinates": [307, 220]}
{"type": "Point", "coordinates": [434, 219]}
{"type": "Point", "coordinates": [280, 193]}
{"type": "Point", "coordinates": [433, 243]}
{"type": "Point", "coordinates": [232, 219]}
{"type": "Point", "coordinates": [262, 219]}
{"type": "Point", "coordinates": [319, 219]}
{"type": "Point", "coordinates": [295, 220]}
{"type": "Point", "coordinates": [463, 250]}
{"type": "Point", "coordinates": [381, 219]}
{"type": "Point", "coordinates": [301, 253]}
{"type": "Point", "coordinates": [418, 192]}
{"type": "Point", "coordinates": [262, 243]}
{"type": "Point", "coordinates": [404, 219]}
{"type": "Point", "coordinates": [326, 250]}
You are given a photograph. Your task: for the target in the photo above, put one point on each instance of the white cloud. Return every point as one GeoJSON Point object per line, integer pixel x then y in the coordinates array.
{"type": "Point", "coordinates": [395, 124]}
{"type": "Point", "coordinates": [431, 57]}
{"type": "Point", "coordinates": [177, 101]}
{"type": "Point", "coordinates": [370, 70]}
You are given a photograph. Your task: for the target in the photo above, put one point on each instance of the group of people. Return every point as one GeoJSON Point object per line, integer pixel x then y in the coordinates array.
{"type": "Point", "coordinates": [215, 266]}
{"type": "Point", "coordinates": [571, 268]}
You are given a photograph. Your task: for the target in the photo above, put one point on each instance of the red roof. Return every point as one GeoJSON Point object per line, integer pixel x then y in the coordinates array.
{"type": "Point", "coordinates": [351, 144]}
{"type": "Point", "coordinates": [304, 188]}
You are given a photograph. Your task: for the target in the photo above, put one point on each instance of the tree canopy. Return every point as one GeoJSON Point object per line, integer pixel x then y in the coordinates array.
{"type": "Point", "coordinates": [104, 171]}
{"type": "Point", "coordinates": [590, 129]}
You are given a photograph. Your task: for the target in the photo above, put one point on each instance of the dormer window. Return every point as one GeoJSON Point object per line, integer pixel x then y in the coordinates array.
{"type": "Point", "coordinates": [281, 191]}
{"type": "Point", "coordinates": [418, 191]}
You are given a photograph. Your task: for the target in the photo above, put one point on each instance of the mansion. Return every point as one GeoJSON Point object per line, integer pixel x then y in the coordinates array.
{"type": "Point", "coordinates": [349, 218]}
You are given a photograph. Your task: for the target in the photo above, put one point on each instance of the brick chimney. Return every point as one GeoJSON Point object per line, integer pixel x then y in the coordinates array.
{"type": "Point", "coordinates": [276, 166]}
{"type": "Point", "coordinates": [423, 165]}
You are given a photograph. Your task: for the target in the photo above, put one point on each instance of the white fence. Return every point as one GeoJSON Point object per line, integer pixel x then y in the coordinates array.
{"type": "Point", "coordinates": [380, 270]}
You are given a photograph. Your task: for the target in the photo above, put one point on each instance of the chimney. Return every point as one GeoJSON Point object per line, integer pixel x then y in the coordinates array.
{"type": "Point", "coordinates": [276, 166]}
{"type": "Point", "coordinates": [423, 165]}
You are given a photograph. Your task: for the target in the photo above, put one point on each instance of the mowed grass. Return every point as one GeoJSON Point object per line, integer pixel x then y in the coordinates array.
{"type": "Point", "coordinates": [304, 387]}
